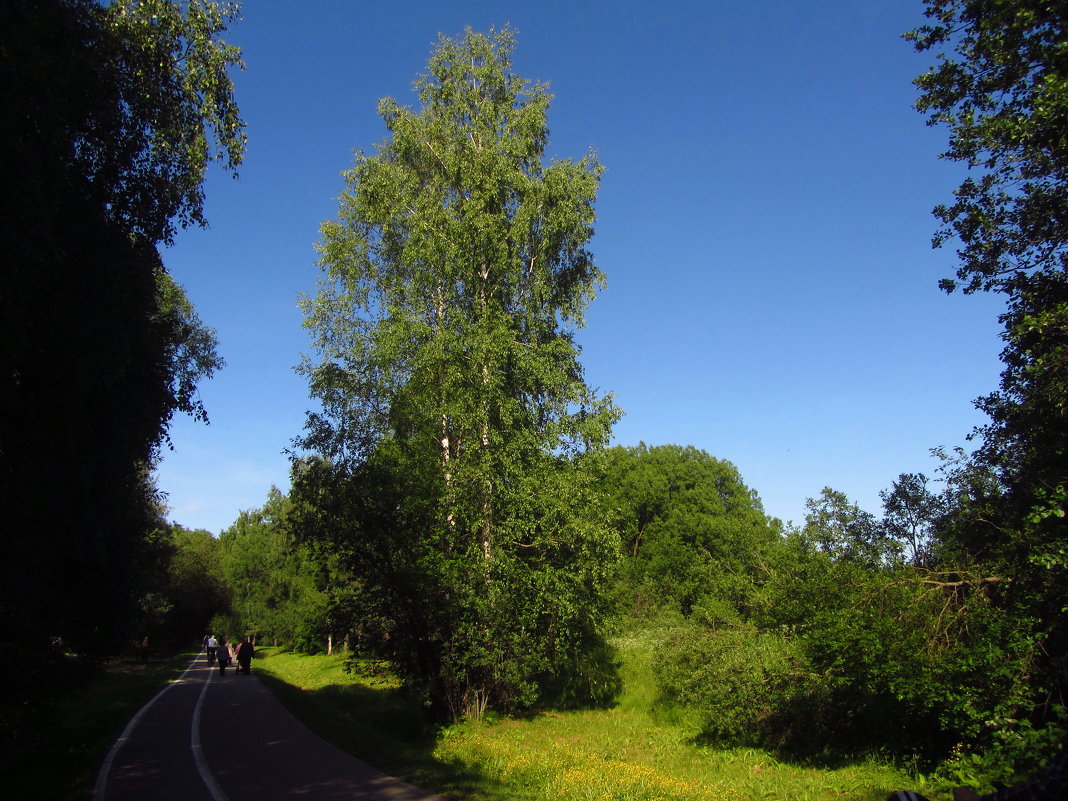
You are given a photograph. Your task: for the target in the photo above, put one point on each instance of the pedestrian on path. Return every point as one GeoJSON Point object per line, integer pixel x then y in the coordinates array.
{"type": "Point", "coordinates": [222, 653]}
{"type": "Point", "coordinates": [244, 655]}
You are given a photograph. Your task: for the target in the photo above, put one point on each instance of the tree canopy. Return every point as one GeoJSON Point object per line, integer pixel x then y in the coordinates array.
{"type": "Point", "coordinates": [113, 112]}
{"type": "Point", "coordinates": [455, 275]}
{"type": "Point", "coordinates": [1002, 93]}
{"type": "Point", "coordinates": [687, 523]}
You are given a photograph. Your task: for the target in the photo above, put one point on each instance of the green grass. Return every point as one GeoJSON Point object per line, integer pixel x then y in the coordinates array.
{"type": "Point", "coordinates": [369, 716]}
{"type": "Point", "coordinates": [623, 753]}
{"type": "Point", "coordinates": [60, 756]}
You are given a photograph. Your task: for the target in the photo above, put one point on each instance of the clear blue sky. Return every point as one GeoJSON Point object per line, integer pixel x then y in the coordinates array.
{"type": "Point", "coordinates": [764, 223]}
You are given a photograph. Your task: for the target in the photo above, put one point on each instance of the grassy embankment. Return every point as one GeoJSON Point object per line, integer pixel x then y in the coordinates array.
{"type": "Point", "coordinates": [623, 753]}
{"type": "Point", "coordinates": [60, 758]}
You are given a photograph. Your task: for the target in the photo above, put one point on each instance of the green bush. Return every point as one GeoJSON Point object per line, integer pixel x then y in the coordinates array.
{"type": "Point", "coordinates": [921, 666]}
{"type": "Point", "coordinates": [1018, 748]}
{"type": "Point", "coordinates": [737, 679]}
{"type": "Point", "coordinates": [889, 663]}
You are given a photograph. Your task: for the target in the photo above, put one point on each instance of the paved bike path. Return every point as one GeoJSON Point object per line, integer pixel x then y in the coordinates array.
{"type": "Point", "coordinates": [227, 738]}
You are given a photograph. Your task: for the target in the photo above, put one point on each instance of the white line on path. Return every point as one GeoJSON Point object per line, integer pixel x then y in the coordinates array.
{"type": "Point", "coordinates": [101, 788]}
{"type": "Point", "coordinates": [198, 752]}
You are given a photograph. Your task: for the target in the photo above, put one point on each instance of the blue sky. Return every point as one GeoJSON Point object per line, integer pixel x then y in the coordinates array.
{"type": "Point", "coordinates": [764, 224]}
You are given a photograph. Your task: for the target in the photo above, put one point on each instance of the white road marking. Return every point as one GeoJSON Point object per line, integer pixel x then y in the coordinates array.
{"type": "Point", "coordinates": [198, 752]}
{"type": "Point", "coordinates": [101, 787]}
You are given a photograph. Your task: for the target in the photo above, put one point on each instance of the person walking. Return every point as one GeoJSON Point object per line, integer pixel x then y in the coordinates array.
{"type": "Point", "coordinates": [245, 652]}
{"type": "Point", "coordinates": [222, 653]}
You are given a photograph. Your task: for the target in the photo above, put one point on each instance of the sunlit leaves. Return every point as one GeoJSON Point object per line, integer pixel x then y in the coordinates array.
{"type": "Point", "coordinates": [455, 275]}
{"type": "Point", "coordinates": [171, 112]}
{"type": "Point", "coordinates": [1003, 95]}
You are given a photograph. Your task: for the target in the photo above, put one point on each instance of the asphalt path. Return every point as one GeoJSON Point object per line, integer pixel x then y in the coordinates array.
{"type": "Point", "coordinates": [224, 737]}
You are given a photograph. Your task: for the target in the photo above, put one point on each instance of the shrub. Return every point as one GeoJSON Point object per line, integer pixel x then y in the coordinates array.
{"type": "Point", "coordinates": [737, 679]}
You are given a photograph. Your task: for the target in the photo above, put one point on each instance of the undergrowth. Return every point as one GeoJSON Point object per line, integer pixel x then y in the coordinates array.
{"type": "Point", "coordinates": [627, 752]}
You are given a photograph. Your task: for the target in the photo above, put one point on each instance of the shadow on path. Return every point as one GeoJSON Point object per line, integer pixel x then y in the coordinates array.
{"type": "Point", "coordinates": [252, 749]}
{"type": "Point", "coordinates": [257, 750]}
{"type": "Point", "coordinates": [385, 728]}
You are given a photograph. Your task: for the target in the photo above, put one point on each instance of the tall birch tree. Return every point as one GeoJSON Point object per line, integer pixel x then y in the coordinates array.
{"type": "Point", "coordinates": [456, 274]}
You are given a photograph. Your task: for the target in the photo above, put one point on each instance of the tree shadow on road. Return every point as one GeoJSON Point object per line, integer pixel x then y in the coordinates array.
{"type": "Point", "coordinates": [384, 727]}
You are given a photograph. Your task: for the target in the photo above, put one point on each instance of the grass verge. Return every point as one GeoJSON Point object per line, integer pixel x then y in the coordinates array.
{"type": "Point", "coordinates": [622, 753]}
{"type": "Point", "coordinates": [369, 716]}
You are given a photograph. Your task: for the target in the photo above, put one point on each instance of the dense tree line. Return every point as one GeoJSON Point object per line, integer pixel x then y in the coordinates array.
{"type": "Point", "coordinates": [112, 114]}
{"type": "Point", "coordinates": [255, 579]}
{"type": "Point", "coordinates": [840, 644]}
{"type": "Point", "coordinates": [279, 587]}
{"type": "Point", "coordinates": [187, 591]}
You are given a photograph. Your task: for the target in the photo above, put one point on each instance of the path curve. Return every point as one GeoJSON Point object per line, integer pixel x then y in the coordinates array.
{"type": "Point", "coordinates": [227, 738]}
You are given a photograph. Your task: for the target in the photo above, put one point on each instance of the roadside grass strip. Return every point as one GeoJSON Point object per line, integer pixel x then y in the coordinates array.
{"type": "Point", "coordinates": [624, 753]}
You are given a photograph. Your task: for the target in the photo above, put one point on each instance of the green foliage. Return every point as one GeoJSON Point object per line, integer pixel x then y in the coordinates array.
{"type": "Point", "coordinates": [226, 624]}
{"type": "Point", "coordinates": [924, 664]}
{"type": "Point", "coordinates": [820, 644]}
{"type": "Point", "coordinates": [1017, 750]}
{"type": "Point", "coordinates": [164, 111]}
{"type": "Point", "coordinates": [185, 589]}
{"type": "Point", "coordinates": [911, 512]}
{"type": "Point", "coordinates": [113, 107]}
{"type": "Point", "coordinates": [526, 628]}
{"type": "Point", "coordinates": [687, 524]}
{"type": "Point", "coordinates": [845, 531]}
{"type": "Point", "coordinates": [740, 679]}
{"type": "Point", "coordinates": [826, 656]}
{"type": "Point", "coordinates": [1003, 95]}
{"type": "Point", "coordinates": [278, 586]}
{"type": "Point", "coordinates": [1001, 89]}
{"type": "Point", "coordinates": [452, 395]}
